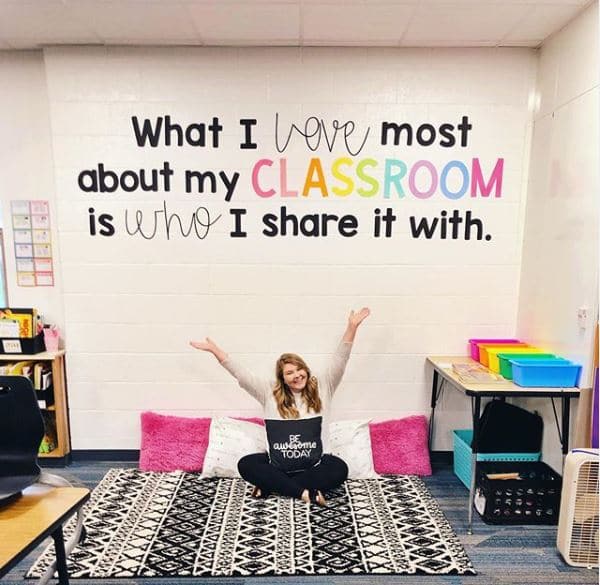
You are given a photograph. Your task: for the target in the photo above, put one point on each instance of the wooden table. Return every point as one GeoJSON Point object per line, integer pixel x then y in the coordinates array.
{"type": "Point", "coordinates": [40, 512]}
{"type": "Point", "coordinates": [443, 372]}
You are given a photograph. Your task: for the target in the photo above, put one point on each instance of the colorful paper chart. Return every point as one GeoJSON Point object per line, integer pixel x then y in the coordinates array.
{"type": "Point", "coordinates": [33, 242]}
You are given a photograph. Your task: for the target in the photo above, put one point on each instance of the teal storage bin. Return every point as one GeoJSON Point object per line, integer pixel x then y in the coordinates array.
{"type": "Point", "coordinates": [462, 456]}
{"type": "Point", "coordinates": [546, 373]}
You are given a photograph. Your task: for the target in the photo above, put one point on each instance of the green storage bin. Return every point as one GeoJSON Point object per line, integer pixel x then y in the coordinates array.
{"type": "Point", "coordinates": [506, 365]}
{"type": "Point", "coordinates": [462, 456]}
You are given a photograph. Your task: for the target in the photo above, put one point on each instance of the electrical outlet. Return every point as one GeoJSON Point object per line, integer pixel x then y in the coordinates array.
{"type": "Point", "coordinates": [582, 317]}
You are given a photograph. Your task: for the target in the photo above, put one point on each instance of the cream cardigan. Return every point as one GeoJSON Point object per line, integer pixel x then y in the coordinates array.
{"type": "Point", "coordinates": [262, 388]}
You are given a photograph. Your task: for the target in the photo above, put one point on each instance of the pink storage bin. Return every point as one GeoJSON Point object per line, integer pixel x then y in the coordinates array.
{"type": "Point", "coordinates": [475, 348]}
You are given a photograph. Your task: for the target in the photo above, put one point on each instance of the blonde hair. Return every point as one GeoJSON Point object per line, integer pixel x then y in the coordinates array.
{"type": "Point", "coordinates": [283, 395]}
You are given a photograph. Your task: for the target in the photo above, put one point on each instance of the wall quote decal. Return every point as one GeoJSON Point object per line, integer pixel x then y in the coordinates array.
{"type": "Point", "coordinates": [343, 170]}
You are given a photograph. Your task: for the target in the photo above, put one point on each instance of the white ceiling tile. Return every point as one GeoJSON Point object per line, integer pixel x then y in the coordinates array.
{"type": "Point", "coordinates": [46, 21]}
{"type": "Point", "coordinates": [466, 23]}
{"type": "Point", "coordinates": [34, 23]}
{"type": "Point", "coordinates": [379, 23]}
{"type": "Point", "coordinates": [130, 21]}
{"type": "Point", "coordinates": [542, 21]}
{"type": "Point", "coordinates": [247, 21]}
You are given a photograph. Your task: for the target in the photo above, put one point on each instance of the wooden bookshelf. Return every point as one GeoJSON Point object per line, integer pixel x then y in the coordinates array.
{"type": "Point", "coordinates": [60, 409]}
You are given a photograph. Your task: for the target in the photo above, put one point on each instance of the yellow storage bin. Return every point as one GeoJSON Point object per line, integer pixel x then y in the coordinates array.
{"type": "Point", "coordinates": [494, 361]}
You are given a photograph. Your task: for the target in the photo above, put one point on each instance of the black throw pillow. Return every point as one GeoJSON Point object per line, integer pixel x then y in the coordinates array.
{"type": "Point", "coordinates": [294, 444]}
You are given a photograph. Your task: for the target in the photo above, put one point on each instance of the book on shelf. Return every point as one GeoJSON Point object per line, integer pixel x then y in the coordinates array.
{"type": "Point", "coordinates": [46, 380]}
{"type": "Point", "coordinates": [476, 374]}
{"type": "Point", "coordinates": [38, 368]}
{"type": "Point", "coordinates": [42, 376]}
{"type": "Point", "coordinates": [43, 385]}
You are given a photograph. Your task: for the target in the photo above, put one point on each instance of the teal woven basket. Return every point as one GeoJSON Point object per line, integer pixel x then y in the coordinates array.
{"type": "Point", "coordinates": [462, 456]}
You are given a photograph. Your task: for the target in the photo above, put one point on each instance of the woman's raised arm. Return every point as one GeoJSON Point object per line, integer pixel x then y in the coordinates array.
{"type": "Point", "coordinates": [257, 387]}
{"type": "Point", "coordinates": [338, 362]}
{"type": "Point", "coordinates": [211, 347]}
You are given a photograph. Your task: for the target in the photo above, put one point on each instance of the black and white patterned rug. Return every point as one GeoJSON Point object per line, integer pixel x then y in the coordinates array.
{"type": "Point", "coordinates": [179, 525]}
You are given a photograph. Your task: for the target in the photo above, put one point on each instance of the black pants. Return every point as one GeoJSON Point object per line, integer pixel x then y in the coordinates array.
{"type": "Point", "coordinates": [256, 469]}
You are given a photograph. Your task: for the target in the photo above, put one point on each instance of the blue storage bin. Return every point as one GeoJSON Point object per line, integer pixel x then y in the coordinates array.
{"type": "Point", "coordinates": [546, 373]}
{"type": "Point", "coordinates": [462, 456]}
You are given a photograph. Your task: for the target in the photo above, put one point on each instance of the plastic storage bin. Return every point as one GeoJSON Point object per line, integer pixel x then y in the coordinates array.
{"type": "Point", "coordinates": [474, 347]}
{"type": "Point", "coordinates": [484, 357]}
{"type": "Point", "coordinates": [492, 352]}
{"type": "Point", "coordinates": [505, 360]}
{"type": "Point", "coordinates": [534, 498]}
{"type": "Point", "coordinates": [22, 345]}
{"type": "Point", "coordinates": [546, 373]}
{"type": "Point", "coordinates": [462, 456]}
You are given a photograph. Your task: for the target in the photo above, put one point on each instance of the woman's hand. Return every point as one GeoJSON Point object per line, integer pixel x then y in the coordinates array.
{"type": "Point", "coordinates": [207, 345]}
{"type": "Point", "coordinates": [354, 320]}
{"type": "Point", "coordinates": [357, 317]}
{"type": "Point", "coordinates": [210, 346]}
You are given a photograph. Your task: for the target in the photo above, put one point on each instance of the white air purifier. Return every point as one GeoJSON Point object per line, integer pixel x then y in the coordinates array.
{"type": "Point", "coordinates": [577, 538]}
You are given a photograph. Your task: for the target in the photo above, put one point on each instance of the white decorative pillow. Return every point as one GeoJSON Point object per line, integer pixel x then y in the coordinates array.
{"type": "Point", "coordinates": [228, 441]}
{"type": "Point", "coordinates": [351, 440]}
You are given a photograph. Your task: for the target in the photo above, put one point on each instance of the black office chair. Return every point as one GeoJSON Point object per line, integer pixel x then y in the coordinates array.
{"type": "Point", "coordinates": [21, 432]}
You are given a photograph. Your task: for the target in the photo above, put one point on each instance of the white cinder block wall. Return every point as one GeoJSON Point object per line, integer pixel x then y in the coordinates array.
{"type": "Point", "coordinates": [132, 304]}
{"type": "Point", "coordinates": [27, 170]}
{"type": "Point", "coordinates": [560, 250]}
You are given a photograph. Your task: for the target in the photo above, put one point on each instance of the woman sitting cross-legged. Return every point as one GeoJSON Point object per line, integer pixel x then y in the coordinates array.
{"type": "Point", "coordinates": [296, 407]}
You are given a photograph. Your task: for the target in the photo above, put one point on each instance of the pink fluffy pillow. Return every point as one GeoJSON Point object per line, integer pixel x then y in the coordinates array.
{"type": "Point", "coordinates": [171, 443]}
{"type": "Point", "coordinates": [401, 446]}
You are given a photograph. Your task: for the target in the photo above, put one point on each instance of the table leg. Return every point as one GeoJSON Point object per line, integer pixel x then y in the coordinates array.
{"type": "Point", "coordinates": [566, 413]}
{"type": "Point", "coordinates": [476, 408]}
{"type": "Point", "coordinates": [61, 557]}
{"type": "Point", "coordinates": [434, 397]}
